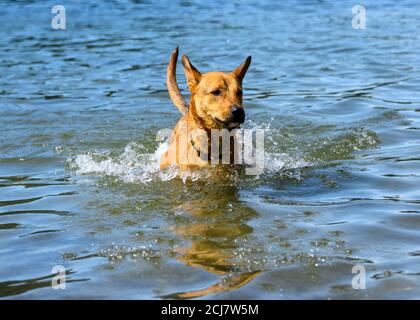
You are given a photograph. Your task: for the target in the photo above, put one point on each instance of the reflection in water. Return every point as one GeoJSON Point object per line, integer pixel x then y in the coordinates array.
{"type": "Point", "coordinates": [341, 182]}
{"type": "Point", "coordinates": [218, 221]}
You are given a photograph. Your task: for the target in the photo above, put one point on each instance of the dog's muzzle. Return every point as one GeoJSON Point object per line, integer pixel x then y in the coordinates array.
{"type": "Point", "coordinates": [238, 116]}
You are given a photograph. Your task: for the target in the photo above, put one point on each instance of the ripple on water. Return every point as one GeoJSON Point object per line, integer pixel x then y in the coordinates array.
{"type": "Point", "coordinates": [79, 178]}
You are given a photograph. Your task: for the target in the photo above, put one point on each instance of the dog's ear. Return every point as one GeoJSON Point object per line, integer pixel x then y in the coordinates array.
{"type": "Point", "coordinates": [240, 71]}
{"type": "Point", "coordinates": [192, 74]}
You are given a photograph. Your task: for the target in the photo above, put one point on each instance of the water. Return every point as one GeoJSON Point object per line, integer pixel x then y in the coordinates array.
{"type": "Point", "coordinates": [80, 188]}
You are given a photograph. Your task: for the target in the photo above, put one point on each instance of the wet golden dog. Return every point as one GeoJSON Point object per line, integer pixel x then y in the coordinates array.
{"type": "Point", "coordinates": [215, 103]}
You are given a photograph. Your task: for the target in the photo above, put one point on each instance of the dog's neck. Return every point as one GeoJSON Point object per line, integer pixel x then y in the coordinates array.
{"type": "Point", "coordinates": [196, 121]}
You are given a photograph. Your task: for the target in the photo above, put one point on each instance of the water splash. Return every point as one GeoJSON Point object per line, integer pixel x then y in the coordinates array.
{"type": "Point", "coordinates": [130, 166]}
{"type": "Point", "coordinates": [134, 166]}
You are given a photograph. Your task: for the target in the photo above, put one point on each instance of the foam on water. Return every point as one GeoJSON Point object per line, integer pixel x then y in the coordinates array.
{"type": "Point", "coordinates": [132, 165]}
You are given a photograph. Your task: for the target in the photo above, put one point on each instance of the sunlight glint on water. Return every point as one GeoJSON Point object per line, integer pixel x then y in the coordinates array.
{"type": "Point", "coordinates": [79, 181]}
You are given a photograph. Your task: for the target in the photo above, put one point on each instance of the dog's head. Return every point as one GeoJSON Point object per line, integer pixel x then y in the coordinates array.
{"type": "Point", "coordinates": [217, 96]}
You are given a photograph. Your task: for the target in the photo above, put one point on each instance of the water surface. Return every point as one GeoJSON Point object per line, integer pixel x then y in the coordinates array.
{"type": "Point", "coordinates": [79, 186]}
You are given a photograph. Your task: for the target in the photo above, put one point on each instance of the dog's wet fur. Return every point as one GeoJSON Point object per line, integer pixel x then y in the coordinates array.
{"type": "Point", "coordinates": [215, 103]}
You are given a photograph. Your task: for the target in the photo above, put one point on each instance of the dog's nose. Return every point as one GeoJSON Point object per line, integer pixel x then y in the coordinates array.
{"type": "Point", "coordinates": [238, 115]}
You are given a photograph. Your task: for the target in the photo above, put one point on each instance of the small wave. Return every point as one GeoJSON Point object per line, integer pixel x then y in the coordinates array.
{"type": "Point", "coordinates": [132, 166]}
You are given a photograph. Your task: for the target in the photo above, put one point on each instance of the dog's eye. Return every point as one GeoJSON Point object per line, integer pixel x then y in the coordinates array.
{"type": "Point", "coordinates": [216, 92]}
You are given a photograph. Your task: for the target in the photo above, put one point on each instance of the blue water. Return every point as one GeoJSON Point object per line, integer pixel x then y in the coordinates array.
{"type": "Point", "coordinates": [79, 186]}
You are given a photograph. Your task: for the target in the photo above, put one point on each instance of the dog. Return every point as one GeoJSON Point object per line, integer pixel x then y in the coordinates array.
{"type": "Point", "coordinates": [215, 104]}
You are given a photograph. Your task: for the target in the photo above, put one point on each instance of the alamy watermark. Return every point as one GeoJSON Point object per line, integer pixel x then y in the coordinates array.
{"type": "Point", "coordinates": [58, 22]}
{"type": "Point", "coordinates": [216, 146]}
{"type": "Point", "coordinates": [359, 280]}
{"type": "Point", "coordinates": [359, 20]}
{"type": "Point", "coordinates": [58, 281]}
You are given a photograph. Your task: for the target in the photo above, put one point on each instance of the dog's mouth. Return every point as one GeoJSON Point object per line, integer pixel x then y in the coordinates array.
{"type": "Point", "coordinates": [228, 124]}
